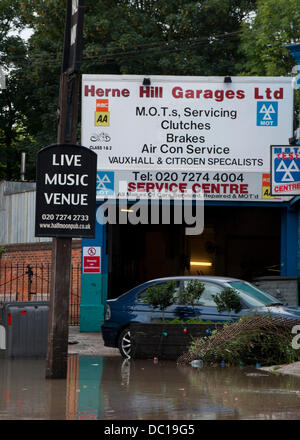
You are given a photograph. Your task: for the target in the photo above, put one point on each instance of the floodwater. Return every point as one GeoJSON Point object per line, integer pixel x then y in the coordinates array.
{"type": "Point", "coordinates": [111, 388]}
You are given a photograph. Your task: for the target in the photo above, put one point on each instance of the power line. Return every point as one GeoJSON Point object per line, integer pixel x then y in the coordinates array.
{"type": "Point", "coordinates": [158, 46]}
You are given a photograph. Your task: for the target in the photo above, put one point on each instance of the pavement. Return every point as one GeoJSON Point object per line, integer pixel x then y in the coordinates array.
{"type": "Point", "coordinates": [292, 369]}
{"type": "Point", "coordinates": [88, 343]}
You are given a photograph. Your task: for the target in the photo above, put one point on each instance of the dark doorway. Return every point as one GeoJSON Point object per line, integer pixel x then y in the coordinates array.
{"type": "Point", "coordinates": [241, 242]}
{"type": "Point", "coordinates": [138, 253]}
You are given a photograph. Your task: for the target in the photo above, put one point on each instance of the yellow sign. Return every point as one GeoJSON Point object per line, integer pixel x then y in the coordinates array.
{"type": "Point", "coordinates": [266, 188]}
{"type": "Point", "coordinates": [101, 119]}
{"type": "Point", "coordinates": [266, 192]}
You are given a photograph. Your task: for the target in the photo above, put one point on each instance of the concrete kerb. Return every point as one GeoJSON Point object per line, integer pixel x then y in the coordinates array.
{"type": "Point", "coordinates": [292, 369]}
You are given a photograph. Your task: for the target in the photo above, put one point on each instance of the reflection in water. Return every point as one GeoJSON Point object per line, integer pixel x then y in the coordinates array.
{"type": "Point", "coordinates": [117, 389]}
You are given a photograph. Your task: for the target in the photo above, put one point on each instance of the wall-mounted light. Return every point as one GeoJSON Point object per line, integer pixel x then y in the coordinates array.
{"type": "Point", "coordinates": [201, 263]}
{"type": "Point", "coordinates": [147, 82]}
{"type": "Point", "coordinates": [227, 79]}
{"type": "Point", "coordinates": [127, 210]}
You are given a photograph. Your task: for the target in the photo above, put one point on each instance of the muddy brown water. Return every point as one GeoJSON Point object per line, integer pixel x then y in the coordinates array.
{"type": "Point", "coordinates": [111, 388]}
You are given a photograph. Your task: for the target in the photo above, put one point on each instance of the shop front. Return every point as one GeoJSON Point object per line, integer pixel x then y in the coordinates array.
{"type": "Point", "coordinates": [190, 142]}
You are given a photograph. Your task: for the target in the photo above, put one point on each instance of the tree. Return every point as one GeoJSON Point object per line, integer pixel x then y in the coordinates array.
{"type": "Point", "coordinates": [175, 37]}
{"type": "Point", "coordinates": [28, 105]}
{"type": "Point", "coordinates": [275, 25]}
{"type": "Point", "coordinates": [228, 300]}
{"type": "Point", "coordinates": [192, 293]}
{"type": "Point", "coordinates": [160, 296]}
{"type": "Point", "coordinates": [12, 50]}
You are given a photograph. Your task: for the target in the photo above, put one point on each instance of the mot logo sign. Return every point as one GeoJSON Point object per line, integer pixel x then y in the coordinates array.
{"type": "Point", "coordinates": [285, 170]}
{"type": "Point", "coordinates": [66, 192]}
{"type": "Point", "coordinates": [267, 114]}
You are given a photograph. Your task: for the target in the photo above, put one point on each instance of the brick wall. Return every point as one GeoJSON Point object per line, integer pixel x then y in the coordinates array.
{"type": "Point", "coordinates": [17, 285]}
{"type": "Point", "coordinates": [35, 253]}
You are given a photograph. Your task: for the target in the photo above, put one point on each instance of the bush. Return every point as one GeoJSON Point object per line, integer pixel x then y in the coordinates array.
{"type": "Point", "coordinates": [253, 339]}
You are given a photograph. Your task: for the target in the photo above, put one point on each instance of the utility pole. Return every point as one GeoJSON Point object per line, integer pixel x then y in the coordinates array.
{"type": "Point", "coordinates": [56, 362]}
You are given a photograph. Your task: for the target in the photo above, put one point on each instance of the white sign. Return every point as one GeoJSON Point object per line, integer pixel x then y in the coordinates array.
{"type": "Point", "coordinates": [184, 185]}
{"type": "Point", "coordinates": [285, 170]}
{"type": "Point", "coordinates": [179, 129]}
{"type": "Point", "coordinates": [187, 123]}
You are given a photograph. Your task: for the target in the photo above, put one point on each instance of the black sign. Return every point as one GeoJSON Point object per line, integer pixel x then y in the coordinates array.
{"type": "Point", "coordinates": [66, 192]}
{"type": "Point", "coordinates": [73, 36]}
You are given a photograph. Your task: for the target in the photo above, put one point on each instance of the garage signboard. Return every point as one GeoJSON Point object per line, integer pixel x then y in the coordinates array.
{"type": "Point", "coordinates": [65, 192]}
{"type": "Point", "coordinates": [178, 132]}
{"type": "Point", "coordinates": [285, 170]}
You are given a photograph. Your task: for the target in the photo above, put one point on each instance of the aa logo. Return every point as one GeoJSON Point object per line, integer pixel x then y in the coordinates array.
{"type": "Point", "coordinates": [105, 185]}
{"type": "Point", "coordinates": [101, 119]}
{"type": "Point", "coordinates": [266, 193]}
{"type": "Point", "coordinates": [266, 190]}
{"type": "Point", "coordinates": [267, 114]}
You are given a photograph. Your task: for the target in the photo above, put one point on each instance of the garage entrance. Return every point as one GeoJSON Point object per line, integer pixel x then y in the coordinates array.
{"type": "Point", "coordinates": [242, 242]}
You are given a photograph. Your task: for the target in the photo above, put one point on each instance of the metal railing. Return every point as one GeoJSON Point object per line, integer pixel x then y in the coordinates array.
{"type": "Point", "coordinates": [31, 282]}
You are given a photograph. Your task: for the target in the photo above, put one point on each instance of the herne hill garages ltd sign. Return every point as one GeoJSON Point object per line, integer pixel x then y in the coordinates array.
{"type": "Point", "coordinates": [185, 135]}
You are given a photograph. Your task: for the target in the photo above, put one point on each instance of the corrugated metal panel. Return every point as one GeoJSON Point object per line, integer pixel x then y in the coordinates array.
{"type": "Point", "coordinates": [17, 216]}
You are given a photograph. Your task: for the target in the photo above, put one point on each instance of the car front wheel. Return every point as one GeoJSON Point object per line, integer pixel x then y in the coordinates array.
{"type": "Point", "coordinates": [124, 343]}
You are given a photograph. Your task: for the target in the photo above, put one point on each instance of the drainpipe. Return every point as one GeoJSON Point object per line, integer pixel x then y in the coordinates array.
{"type": "Point", "coordinates": [23, 166]}
{"type": "Point", "coordinates": [295, 52]}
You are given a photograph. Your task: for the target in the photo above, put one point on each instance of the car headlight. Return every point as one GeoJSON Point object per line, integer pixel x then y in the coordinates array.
{"type": "Point", "coordinates": [108, 313]}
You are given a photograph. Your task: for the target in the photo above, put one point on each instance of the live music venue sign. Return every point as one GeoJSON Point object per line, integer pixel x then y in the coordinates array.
{"type": "Point", "coordinates": [65, 192]}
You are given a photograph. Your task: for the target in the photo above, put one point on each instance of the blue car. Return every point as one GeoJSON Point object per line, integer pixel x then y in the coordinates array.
{"type": "Point", "coordinates": [130, 307]}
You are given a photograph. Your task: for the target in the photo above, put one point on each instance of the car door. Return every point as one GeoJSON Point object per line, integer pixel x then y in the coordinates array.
{"type": "Point", "coordinates": [145, 313]}
{"type": "Point", "coordinates": [205, 307]}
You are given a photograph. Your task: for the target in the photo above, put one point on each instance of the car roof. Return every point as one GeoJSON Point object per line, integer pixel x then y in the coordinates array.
{"type": "Point", "coordinates": [197, 277]}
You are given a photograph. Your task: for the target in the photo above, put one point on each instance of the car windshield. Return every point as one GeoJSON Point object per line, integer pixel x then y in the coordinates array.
{"type": "Point", "coordinates": [252, 295]}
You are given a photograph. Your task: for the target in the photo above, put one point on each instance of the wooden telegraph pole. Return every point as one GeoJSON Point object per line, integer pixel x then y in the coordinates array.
{"type": "Point", "coordinates": [56, 362]}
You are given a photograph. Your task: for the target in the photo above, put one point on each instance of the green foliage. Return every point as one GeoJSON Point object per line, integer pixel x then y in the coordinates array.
{"type": "Point", "coordinates": [185, 37]}
{"type": "Point", "coordinates": [228, 300]}
{"type": "Point", "coordinates": [28, 105]}
{"type": "Point", "coordinates": [12, 49]}
{"type": "Point", "coordinates": [253, 339]}
{"type": "Point", "coordinates": [160, 296]}
{"type": "Point", "coordinates": [159, 37]}
{"type": "Point", "coordinates": [266, 348]}
{"type": "Point", "coordinates": [191, 293]}
{"type": "Point", "coordinates": [153, 37]}
{"type": "Point", "coordinates": [264, 39]}
{"type": "Point", "coordinates": [275, 25]}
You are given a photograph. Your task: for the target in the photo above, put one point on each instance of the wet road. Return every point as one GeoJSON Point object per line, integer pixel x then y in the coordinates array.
{"type": "Point", "coordinates": [111, 388]}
